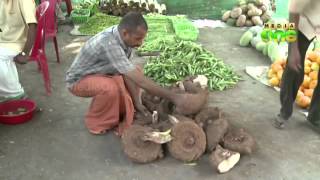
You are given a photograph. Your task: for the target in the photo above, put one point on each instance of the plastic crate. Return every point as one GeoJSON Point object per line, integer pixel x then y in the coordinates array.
{"type": "Point", "coordinates": [185, 30]}
{"type": "Point", "coordinates": [188, 35]}
{"type": "Point", "coordinates": [161, 27]}
{"type": "Point", "coordinates": [79, 16]}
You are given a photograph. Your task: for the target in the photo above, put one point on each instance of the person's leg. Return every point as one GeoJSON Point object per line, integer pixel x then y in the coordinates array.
{"type": "Point", "coordinates": [126, 106]}
{"type": "Point", "coordinates": [10, 87]}
{"type": "Point", "coordinates": [290, 83]}
{"type": "Point", "coordinates": [314, 109]}
{"type": "Point", "coordinates": [104, 111]}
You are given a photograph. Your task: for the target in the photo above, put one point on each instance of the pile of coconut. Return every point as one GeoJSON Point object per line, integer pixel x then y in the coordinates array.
{"type": "Point", "coordinates": [186, 135]}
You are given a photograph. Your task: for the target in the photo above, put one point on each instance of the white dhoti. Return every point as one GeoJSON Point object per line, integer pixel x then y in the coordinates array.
{"type": "Point", "coordinates": [9, 78]}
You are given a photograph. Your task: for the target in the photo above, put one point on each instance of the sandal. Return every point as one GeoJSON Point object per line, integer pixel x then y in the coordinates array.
{"type": "Point", "coordinates": [279, 122]}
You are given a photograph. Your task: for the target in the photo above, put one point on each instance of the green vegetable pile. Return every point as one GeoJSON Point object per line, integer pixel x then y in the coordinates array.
{"type": "Point", "coordinates": [157, 42]}
{"type": "Point", "coordinates": [92, 5]}
{"type": "Point", "coordinates": [166, 30]}
{"type": "Point", "coordinates": [81, 12]}
{"type": "Point", "coordinates": [98, 23]}
{"type": "Point", "coordinates": [186, 58]}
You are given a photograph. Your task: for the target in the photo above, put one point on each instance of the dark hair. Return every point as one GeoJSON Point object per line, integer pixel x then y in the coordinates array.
{"type": "Point", "coordinates": [131, 21]}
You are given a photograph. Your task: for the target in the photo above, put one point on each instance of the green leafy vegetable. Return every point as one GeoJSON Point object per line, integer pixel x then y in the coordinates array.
{"type": "Point", "coordinates": [98, 23]}
{"type": "Point", "coordinates": [185, 58]}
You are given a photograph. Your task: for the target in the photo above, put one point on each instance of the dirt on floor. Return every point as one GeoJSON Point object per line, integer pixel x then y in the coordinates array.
{"type": "Point", "coordinates": [55, 145]}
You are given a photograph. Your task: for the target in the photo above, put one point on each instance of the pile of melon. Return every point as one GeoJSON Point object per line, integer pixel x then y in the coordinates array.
{"type": "Point", "coordinates": [310, 81]}
{"type": "Point", "coordinates": [271, 49]}
{"type": "Point", "coordinates": [248, 13]}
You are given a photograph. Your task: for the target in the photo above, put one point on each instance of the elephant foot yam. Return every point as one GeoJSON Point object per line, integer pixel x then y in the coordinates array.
{"type": "Point", "coordinates": [150, 105]}
{"type": "Point", "coordinates": [197, 102]}
{"type": "Point", "coordinates": [156, 99]}
{"type": "Point", "coordinates": [207, 113]}
{"type": "Point", "coordinates": [240, 141]}
{"type": "Point", "coordinates": [223, 160]}
{"type": "Point", "coordinates": [146, 96]}
{"type": "Point", "coordinates": [137, 149]}
{"type": "Point", "coordinates": [191, 87]}
{"type": "Point", "coordinates": [149, 101]}
{"type": "Point", "coordinates": [162, 125]}
{"type": "Point", "coordinates": [141, 119]}
{"type": "Point", "coordinates": [164, 109]}
{"type": "Point", "coordinates": [215, 132]}
{"type": "Point", "coordinates": [181, 118]}
{"type": "Point", "coordinates": [188, 143]}
{"type": "Point", "coordinates": [202, 80]}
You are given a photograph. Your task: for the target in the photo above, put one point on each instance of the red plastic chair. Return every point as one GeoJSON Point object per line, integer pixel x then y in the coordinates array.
{"type": "Point", "coordinates": [38, 50]}
{"type": "Point", "coordinates": [51, 26]}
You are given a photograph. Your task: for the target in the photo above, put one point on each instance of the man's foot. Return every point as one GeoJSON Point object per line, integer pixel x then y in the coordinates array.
{"type": "Point", "coordinates": [279, 122]}
{"type": "Point", "coordinates": [98, 132]}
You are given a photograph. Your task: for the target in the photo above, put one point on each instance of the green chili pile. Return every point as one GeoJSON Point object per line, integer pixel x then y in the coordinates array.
{"type": "Point", "coordinates": [186, 58]}
{"type": "Point", "coordinates": [98, 23]}
{"type": "Point", "coordinates": [157, 42]}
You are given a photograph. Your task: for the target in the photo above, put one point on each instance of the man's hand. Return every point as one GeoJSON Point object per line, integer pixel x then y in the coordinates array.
{"type": "Point", "coordinates": [21, 59]}
{"type": "Point", "coordinates": [294, 58]}
{"type": "Point", "coordinates": [142, 109]}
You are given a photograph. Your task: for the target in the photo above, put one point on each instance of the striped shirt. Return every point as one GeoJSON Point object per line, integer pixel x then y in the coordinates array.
{"type": "Point", "coordinates": [105, 53]}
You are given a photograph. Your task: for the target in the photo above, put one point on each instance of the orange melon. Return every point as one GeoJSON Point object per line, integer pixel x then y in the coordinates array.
{"type": "Point", "coordinates": [307, 62]}
{"type": "Point", "coordinates": [307, 69]}
{"type": "Point", "coordinates": [315, 66]}
{"type": "Point", "coordinates": [279, 74]}
{"type": "Point", "coordinates": [271, 74]}
{"type": "Point", "coordinates": [313, 84]}
{"type": "Point", "coordinates": [318, 60]}
{"type": "Point", "coordinates": [313, 56]}
{"type": "Point", "coordinates": [308, 92]}
{"type": "Point", "coordinates": [306, 81]}
{"type": "Point", "coordinates": [301, 88]}
{"type": "Point", "coordinates": [299, 95]}
{"type": "Point", "coordinates": [314, 75]}
{"type": "Point", "coordinates": [274, 81]}
{"type": "Point", "coordinates": [276, 68]}
{"type": "Point", "coordinates": [303, 101]}
{"type": "Point", "coordinates": [280, 61]}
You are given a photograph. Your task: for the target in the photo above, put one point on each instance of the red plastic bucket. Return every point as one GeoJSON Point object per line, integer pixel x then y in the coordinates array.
{"type": "Point", "coordinates": [11, 106]}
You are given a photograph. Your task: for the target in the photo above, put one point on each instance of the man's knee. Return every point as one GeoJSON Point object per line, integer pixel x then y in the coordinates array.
{"type": "Point", "coordinates": [109, 87]}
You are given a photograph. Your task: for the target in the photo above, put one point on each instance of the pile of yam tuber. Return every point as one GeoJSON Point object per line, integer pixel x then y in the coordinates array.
{"type": "Point", "coordinates": [248, 13]}
{"type": "Point", "coordinates": [186, 134]}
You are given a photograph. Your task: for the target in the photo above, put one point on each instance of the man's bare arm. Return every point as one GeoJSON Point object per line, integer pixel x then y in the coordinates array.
{"type": "Point", "coordinates": [28, 45]}
{"type": "Point", "coordinates": [30, 37]}
{"type": "Point", "coordinates": [133, 90]}
{"type": "Point", "coordinates": [151, 87]}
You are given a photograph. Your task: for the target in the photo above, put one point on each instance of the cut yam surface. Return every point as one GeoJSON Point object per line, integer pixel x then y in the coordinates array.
{"type": "Point", "coordinates": [240, 141]}
{"type": "Point", "coordinates": [223, 160]}
{"type": "Point", "coordinates": [189, 141]}
{"type": "Point", "coordinates": [136, 148]}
